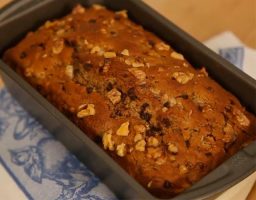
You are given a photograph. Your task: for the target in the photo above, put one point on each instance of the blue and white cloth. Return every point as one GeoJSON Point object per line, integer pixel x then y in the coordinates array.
{"type": "Point", "coordinates": [33, 165]}
{"type": "Point", "coordinates": [41, 167]}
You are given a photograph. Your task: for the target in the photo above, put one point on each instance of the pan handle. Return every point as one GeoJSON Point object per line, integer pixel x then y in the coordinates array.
{"type": "Point", "coordinates": [14, 7]}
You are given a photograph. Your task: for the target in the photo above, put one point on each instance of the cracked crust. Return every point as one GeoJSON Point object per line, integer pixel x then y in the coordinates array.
{"type": "Point", "coordinates": [165, 122]}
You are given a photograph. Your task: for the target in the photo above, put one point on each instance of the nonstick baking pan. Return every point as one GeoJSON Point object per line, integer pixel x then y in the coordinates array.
{"type": "Point", "coordinates": [19, 18]}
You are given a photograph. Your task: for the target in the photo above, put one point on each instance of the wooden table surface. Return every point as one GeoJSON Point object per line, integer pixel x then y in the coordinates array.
{"type": "Point", "coordinates": [206, 18]}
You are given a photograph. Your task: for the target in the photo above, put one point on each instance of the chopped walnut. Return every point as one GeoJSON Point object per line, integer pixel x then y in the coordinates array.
{"type": "Point", "coordinates": [241, 118]}
{"type": "Point", "coordinates": [137, 64]}
{"type": "Point", "coordinates": [114, 96]}
{"type": "Point", "coordinates": [183, 169]}
{"type": "Point", "coordinates": [149, 184]}
{"type": "Point", "coordinates": [183, 77]}
{"type": "Point", "coordinates": [140, 129]}
{"type": "Point", "coordinates": [139, 74]}
{"type": "Point", "coordinates": [203, 71]}
{"type": "Point", "coordinates": [137, 137]}
{"type": "Point", "coordinates": [173, 148]}
{"type": "Point", "coordinates": [160, 161]}
{"type": "Point", "coordinates": [98, 50]}
{"type": "Point", "coordinates": [154, 152]}
{"type": "Point", "coordinates": [155, 91]}
{"type": "Point", "coordinates": [140, 146]}
{"type": "Point", "coordinates": [121, 150]}
{"type": "Point", "coordinates": [79, 9]}
{"type": "Point", "coordinates": [172, 158]}
{"type": "Point", "coordinates": [109, 54]}
{"type": "Point", "coordinates": [88, 111]}
{"type": "Point", "coordinates": [60, 32]}
{"type": "Point", "coordinates": [164, 109]}
{"type": "Point", "coordinates": [49, 24]}
{"type": "Point", "coordinates": [107, 141]}
{"type": "Point", "coordinates": [177, 56]}
{"type": "Point", "coordinates": [122, 13]}
{"type": "Point", "coordinates": [125, 52]}
{"type": "Point", "coordinates": [98, 7]}
{"type": "Point", "coordinates": [228, 128]}
{"type": "Point", "coordinates": [58, 46]}
{"type": "Point", "coordinates": [29, 72]}
{"type": "Point", "coordinates": [123, 129]}
{"type": "Point", "coordinates": [162, 46]}
{"type": "Point", "coordinates": [69, 71]}
{"type": "Point", "coordinates": [185, 64]}
{"type": "Point", "coordinates": [129, 61]}
{"type": "Point", "coordinates": [152, 141]}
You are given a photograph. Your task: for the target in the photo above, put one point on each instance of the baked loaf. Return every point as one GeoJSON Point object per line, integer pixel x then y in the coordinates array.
{"type": "Point", "coordinates": [166, 123]}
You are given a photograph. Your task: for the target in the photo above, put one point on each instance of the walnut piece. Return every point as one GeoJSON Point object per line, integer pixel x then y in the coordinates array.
{"type": "Point", "coordinates": [140, 146]}
{"type": "Point", "coordinates": [125, 52]}
{"type": "Point", "coordinates": [154, 152]}
{"type": "Point", "coordinates": [114, 96]}
{"type": "Point", "coordinates": [173, 148]}
{"type": "Point", "coordinates": [152, 141]}
{"type": "Point", "coordinates": [121, 150]}
{"type": "Point", "coordinates": [123, 129]}
{"type": "Point", "coordinates": [107, 141]}
{"type": "Point", "coordinates": [137, 137]}
{"type": "Point", "coordinates": [162, 46]}
{"type": "Point", "coordinates": [122, 13]}
{"type": "Point", "coordinates": [183, 169]}
{"type": "Point", "coordinates": [183, 77]}
{"type": "Point", "coordinates": [149, 184]}
{"type": "Point", "coordinates": [97, 7]}
{"type": "Point", "coordinates": [58, 46]}
{"type": "Point", "coordinates": [241, 118]}
{"type": "Point", "coordinates": [69, 71]}
{"type": "Point", "coordinates": [88, 111]}
{"type": "Point", "coordinates": [109, 54]}
{"type": "Point", "coordinates": [139, 74]}
{"type": "Point", "coordinates": [160, 161]}
{"type": "Point", "coordinates": [177, 56]}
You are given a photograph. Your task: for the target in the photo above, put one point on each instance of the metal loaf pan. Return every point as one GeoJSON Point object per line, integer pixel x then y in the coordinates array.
{"type": "Point", "coordinates": [19, 18]}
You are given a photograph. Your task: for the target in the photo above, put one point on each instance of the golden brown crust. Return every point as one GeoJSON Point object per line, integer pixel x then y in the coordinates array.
{"type": "Point", "coordinates": [165, 122]}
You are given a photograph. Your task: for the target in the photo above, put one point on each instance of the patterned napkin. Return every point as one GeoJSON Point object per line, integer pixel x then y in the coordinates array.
{"type": "Point", "coordinates": [33, 165]}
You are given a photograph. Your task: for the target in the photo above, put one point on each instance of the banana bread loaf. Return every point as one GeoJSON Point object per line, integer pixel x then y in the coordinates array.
{"type": "Point", "coordinates": [166, 123]}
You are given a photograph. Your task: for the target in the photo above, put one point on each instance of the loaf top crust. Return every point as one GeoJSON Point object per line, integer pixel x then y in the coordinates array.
{"type": "Point", "coordinates": [166, 123]}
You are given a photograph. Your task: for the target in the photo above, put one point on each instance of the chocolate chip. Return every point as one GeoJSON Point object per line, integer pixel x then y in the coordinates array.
{"type": "Point", "coordinates": [123, 96]}
{"type": "Point", "coordinates": [208, 154]}
{"type": "Point", "coordinates": [113, 33]}
{"type": "Point", "coordinates": [88, 66]}
{"type": "Point", "coordinates": [109, 87]}
{"type": "Point", "coordinates": [117, 17]}
{"type": "Point", "coordinates": [154, 128]}
{"type": "Point", "coordinates": [200, 108]}
{"type": "Point", "coordinates": [118, 112]}
{"type": "Point", "coordinates": [144, 106]}
{"type": "Point", "coordinates": [187, 143]}
{"type": "Point", "coordinates": [145, 116]}
{"type": "Point", "coordinates": [151, 43]}
{"type": "Point", "coordinates": [166, 122]}
{"type": "Point", "coordinates": [70, 43]}
{"type": "Point", "coordinates": [209, 88]}
{"type": "Point", "coordinates": [131, 94]}
{"type": "Point", "coordinates": [183, 96]}
{"type": "Point", "coordinates": [167, 184]}
{"type": "Point", "coordinates": [98, 139]}
{"type": "Point", "coordinates": [23, 55]}
{"type": "Point", "coordinates": [92, 21]}
{"type": "Point", "coordinates": [89, 90]}
{"type": "Point", "coordinates": [167, 104]}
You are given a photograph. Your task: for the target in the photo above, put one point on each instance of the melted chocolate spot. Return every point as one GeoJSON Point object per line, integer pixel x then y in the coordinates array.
{"type": "Point", "coordinates": [183, 96]}
{"type": "Point", "coordinates": [92, 21]}
{"type": "Point", "coordinates": [166, 122]}
{"type": "Point", "coordinates": [187, 143]}
{"type": "Point", "coordinates": [89, 90]}
{"type": "Point", "coordinates": [167, 184]}
{"type": "Point", "coordinates": [23, 55]}
{"type": "Point", "coordinates": [145, 116]}
{"type": "Point", "coordinates": [109, 87]}
{"type": "Point", "coordinates": [167, 104]}
{"type": "Point", "coordinates": [88, 66]}
{"type": "Point", "coordinates": [131, 94]}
